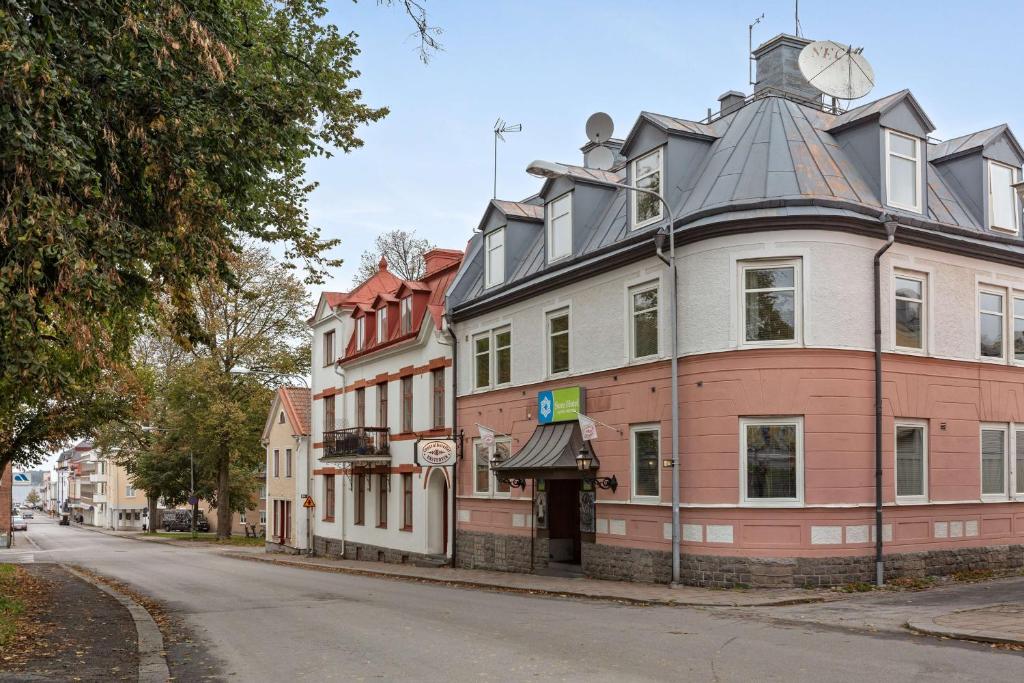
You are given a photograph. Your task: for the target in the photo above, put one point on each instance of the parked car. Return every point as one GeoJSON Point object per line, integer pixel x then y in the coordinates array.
{"type": "Point", "coordinates": [19, 524]}
{"type": "Point", "coordinates": [28, 514]}
{"type": "Point", "coordinates": [181, 520]}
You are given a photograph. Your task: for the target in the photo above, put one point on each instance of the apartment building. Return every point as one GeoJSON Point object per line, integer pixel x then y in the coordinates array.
{"type": "Point", "coordinates": [286, 437]}
{"type": "Point", "coordinates": [782, 206]}
{"type": "Point", "coordinates": [382, 416]}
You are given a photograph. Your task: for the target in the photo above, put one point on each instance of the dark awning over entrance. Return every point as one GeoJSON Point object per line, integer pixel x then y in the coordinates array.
{"type": "Point", "coordinates": [549, 454]}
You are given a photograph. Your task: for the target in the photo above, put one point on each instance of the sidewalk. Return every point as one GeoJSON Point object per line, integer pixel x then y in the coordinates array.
{"type": "Point", "coordinates": [996, 624]}
{"type": "Point", "coordinates": [620, 591]}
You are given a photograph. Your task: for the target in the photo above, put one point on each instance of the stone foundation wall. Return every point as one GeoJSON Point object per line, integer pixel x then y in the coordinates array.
{"type": "Point", "coordinates": [271, 547]}
{"type": "Point", "coordinates": [332, 547]}
{"type": "Point", "coordinates": [503, 552]}
{"type": "Point", "coordinates": [714, 571]}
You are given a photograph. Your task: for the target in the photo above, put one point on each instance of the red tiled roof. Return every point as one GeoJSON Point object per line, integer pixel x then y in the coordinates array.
{"type": "Point", "coordinates": [297, 404]}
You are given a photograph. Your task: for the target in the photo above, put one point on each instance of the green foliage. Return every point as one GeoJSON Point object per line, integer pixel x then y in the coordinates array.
{"type": "Point", "coordinates": [144, 142]}
{"type": "Point", "coordinates": [32, 498]}
{"type": "Point", "coordinates": [10, 606]}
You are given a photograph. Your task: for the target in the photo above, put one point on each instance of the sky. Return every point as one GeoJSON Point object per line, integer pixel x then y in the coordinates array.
{"type": "Point", "coordinates": [549, 64]}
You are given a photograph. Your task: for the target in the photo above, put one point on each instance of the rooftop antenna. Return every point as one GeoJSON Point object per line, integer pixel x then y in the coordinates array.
{"type": "Point", "coordinates": [501, 127]}
{"type": "Point", "coordinates": [796, 18]}
{"type": "Point", "coordinates": [750, 48]}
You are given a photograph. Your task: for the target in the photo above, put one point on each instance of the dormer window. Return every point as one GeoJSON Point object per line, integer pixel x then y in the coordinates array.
{"type": "Point", "coordinates": [494, 255]}
{"type": "Point", "coordinates": [647, 172]}
{"type": "Point", "coordinates": [1002, 199]}
{"type": "Point", "coordinates": [382, 325]}
{"type": "Point", "coordinates": [405, 313]}
{"type": "Point", "coordinates": [360, 333]}
{"type": "Point", "coordinates": [559, 219]}
{"type": "Point", "coordinates": [903, 171]}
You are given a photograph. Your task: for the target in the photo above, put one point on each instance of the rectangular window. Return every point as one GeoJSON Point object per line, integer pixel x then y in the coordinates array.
{"type": "Point", "coordinates": [288, 463]}
{"type": "Point", "coordinates": [382, 501]}
{"type": "Point", "coordinates": [382, 325]}
{"type": "Point", "coordinates": [405, 311]}
{"type": "Point", "coordinates": [241, 518]}
{"type": "Point", "coordinates": [484, 481]}
{"type": "Point", "coordinates": [911, 463]}
{"type": "Point", "coordinates": [407, 404]}
{"type": "Point", "coordinates": [909, 302]}
{"type": "Point", "coordinates": [361, 407]}
{"type": "Point", "coordinates": [277, 463]}
{"type": "Point", "coordinates": [771, 460]}
{"type": "Point", "coordinates": [646, 462]}
{"type": "Point", "coordinates": [359, 499]}
{"type": "Point", "coordinates": [437, 383]}
{"type": "Point", "coordinates": [1018, 329]}
{"type": "Point", "coordinates": [494, 258]}
{"type": "Point", "coordinates": [558, 342]}
{"type": "Point", "coordinates": [647, 176]}
{"type": "Point", "coordinates": [263, 518]}
{"type": "Point", "coordinates": [360, 333]}
{"type": "Point", "coordinates": [559, 219]}
{"type": "Point", "coordinates": [643, 303]}
{"type": "Point", "coordinates": [129, 491]}
{"type": "Point", "coordinates": [382, 404]}
{"type": "Point", "coordinates": [1002, 198]}
{"type": "Point", "coordinates": [903, 177]}
{"type": "Point", "coordinates": [328, 498]}
{"type": "Point", "coordinates": [329, 413]}
{"type": "Point", "coordinates": [990, 324]}
{"type": "Point", "coordinates": [503, 356]}
{"type": "Point", "coordinates": [1019, 463]}
{"type": "Point", "coordinates": [328, 348]}
{"type": "Point", "coordinates": [406, 502]}
{"type": "Point", "coordinates": [771, 296]}
{"type": "Point", "coordinates": [482, 361]}
{"type": "Point", "coordinates": [993, 462]}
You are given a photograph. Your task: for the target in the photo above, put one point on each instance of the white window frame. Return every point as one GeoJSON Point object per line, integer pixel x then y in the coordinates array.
{"type": "Point", "coordinates": [492, 480]}
{"type": "Point", "coordinates": [796, 263]}
{"type": "Point", "coordinates": [493, 236]}
{"type": "Point", "coordinates": [1013, 198]}
{"type": "Point", "coordinates": [925, 317]}
{"type": "Point", "coordinates": [382, 325]}
{"type": "Point", "coordinates": [490, 360]}
{"type": "Point", "coordinates": [1005, 293]}
{"type": "Point", "coordinates": [635, 196]}
{"type": "Point", "coordinates": [1007, 431]}
{"type": "Point", "coordinates": [916, 207]}
{"type": "Point", "coordinates": [548, 317]}
{"type": "Point", "coordinates": [631, 312]}
{"type": "Point", "coordinates": [772, 502]}
{"type": "Point", "coordinates": [549, 219]}
{"type": "Point", "coordinates": [1015, 493]}
{"type": "Point", "coordinates": [633, 430]}
{"type": "Point", "coordinates": [129, 491]}
{"type": "Point", "coordinates": [1012, 318]}
{"type": "Point", "coordinates": [910, 500]}
{"type": "Point", "coordinates": [405, 314]}
{"type": "Point", "coordinates": [360, 333]}
{"type": "Point", "coordinates": [494, 355]}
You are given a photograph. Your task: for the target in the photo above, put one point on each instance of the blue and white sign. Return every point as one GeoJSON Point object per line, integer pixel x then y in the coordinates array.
{"type": "Point", "coordinates": [545, 407]}
{"type": "Point", "coordinates": [559, 405]}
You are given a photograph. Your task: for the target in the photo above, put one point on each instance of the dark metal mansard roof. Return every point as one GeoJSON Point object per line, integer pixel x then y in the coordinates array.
{"type": "Point", "coordinates": [551, 451]}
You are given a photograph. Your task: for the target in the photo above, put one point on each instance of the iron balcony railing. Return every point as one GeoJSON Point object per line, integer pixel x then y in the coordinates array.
{"type": "Point", "coordinates": [357, 441]}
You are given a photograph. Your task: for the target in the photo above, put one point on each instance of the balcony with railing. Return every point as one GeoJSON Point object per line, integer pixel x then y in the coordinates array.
{"type": "Point", "coordinates": [358, 443]}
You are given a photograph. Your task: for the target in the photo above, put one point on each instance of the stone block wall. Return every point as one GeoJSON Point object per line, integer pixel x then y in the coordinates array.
{"type": "Point", "coordinates": [502, 552]}
{"type": "Point", "coordinates": [349, 550]}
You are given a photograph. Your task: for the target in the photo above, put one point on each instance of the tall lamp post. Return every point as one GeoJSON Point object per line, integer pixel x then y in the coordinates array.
{"type": "Point", "coordinates": [548, 169]}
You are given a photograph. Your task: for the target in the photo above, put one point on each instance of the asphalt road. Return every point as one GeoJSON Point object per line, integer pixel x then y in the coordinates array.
{"type": "Point", "coordinates": [263, 622]}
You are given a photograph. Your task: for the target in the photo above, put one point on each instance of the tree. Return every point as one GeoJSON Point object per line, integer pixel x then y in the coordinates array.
{"type": "Point", "coordinates": [144, 142]}
{"type": "Point", "coordinates": [402, 251]}
{"type": "Point", "coordinates": [32, 498]}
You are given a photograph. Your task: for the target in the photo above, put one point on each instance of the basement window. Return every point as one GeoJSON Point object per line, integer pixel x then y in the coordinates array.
{"type": "Point", "coordinates": [1002, 199]}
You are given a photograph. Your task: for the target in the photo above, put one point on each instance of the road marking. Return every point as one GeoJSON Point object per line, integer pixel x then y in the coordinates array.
{"type": "Point", "coordinates": [17, 556]}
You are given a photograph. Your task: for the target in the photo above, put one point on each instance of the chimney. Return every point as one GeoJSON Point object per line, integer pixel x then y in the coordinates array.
{"type": "Point", "coordinates": [777, 67]}
{"type": "Point", "coordinates": [730, 101]}
{"type": "Point", "coordinates": [436, 259]}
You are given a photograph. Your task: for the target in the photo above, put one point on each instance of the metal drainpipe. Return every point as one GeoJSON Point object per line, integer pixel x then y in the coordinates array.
{"type": "Point", "coordinates": [455, 434]}
{"type": "Point", "coordinates": [890, 230]}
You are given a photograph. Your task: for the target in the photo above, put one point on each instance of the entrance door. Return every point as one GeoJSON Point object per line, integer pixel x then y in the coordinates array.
{"type": "Point", "coordinates": [437, 513]}
{"type": "Point", "coordinates": [564, 520]}
{"type": "Point", "coordinates": [286, 531]}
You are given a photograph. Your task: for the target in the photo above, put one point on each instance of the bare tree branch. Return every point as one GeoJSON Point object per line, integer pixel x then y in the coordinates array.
{"type": "Point", "coordinates": [428, 35]}
{"type": "Point", "coordinates": [402, 251]}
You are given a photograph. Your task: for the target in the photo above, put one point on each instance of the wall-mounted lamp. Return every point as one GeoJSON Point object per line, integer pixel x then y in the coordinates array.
{"type": "Point", "coordinates": [584, 463]}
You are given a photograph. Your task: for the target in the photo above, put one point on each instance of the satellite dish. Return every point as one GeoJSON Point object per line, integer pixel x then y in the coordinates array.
{"type": "Point", "coordinates": [837, 70]}
{"type": "Point", "coordinates": [599, 127]}
{"type": "Point", "coordinates": [601, 158]}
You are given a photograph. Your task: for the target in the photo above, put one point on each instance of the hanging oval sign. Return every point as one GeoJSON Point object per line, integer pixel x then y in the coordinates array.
{"type": "Point", "coordinates": [435, 452]}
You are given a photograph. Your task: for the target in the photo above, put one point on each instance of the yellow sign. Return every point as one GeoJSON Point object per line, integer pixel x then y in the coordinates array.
{"type": "Point", "coordinates": [308, 503]}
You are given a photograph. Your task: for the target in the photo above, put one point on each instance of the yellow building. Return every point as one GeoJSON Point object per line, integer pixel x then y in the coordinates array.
{"type": "Point", "coordinates": [286, 436]}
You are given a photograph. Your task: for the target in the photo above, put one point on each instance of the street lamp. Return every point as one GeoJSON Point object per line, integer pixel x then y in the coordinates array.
{"type": "Point", "coordinates": [552, 170]}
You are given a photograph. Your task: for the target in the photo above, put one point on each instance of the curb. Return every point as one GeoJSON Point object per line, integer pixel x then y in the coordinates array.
{"type": "Point", "coordinates": [928, 627]}
{"type": "Point", "coordinates": [152, 665]}
{"type": "Point", "coordinates": [469, 583]}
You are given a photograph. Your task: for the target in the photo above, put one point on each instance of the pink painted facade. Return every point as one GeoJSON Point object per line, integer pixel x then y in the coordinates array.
{"type": "Point", "coordinates": [832, 391]}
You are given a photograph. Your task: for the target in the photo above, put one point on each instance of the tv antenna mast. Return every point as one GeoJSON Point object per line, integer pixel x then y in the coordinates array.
{"type": "Point", "coordinates": [796, 18]}
{"type": "Point", "coordinates": [750, 48]}
{"type": "Point", "coordinates": [500, 128]}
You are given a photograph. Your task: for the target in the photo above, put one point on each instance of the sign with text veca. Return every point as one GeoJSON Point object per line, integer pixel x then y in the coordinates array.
{"type": "Point", "coordinates": [560, 405]}
{"type": "Point", "coordinates": [435, 452]}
